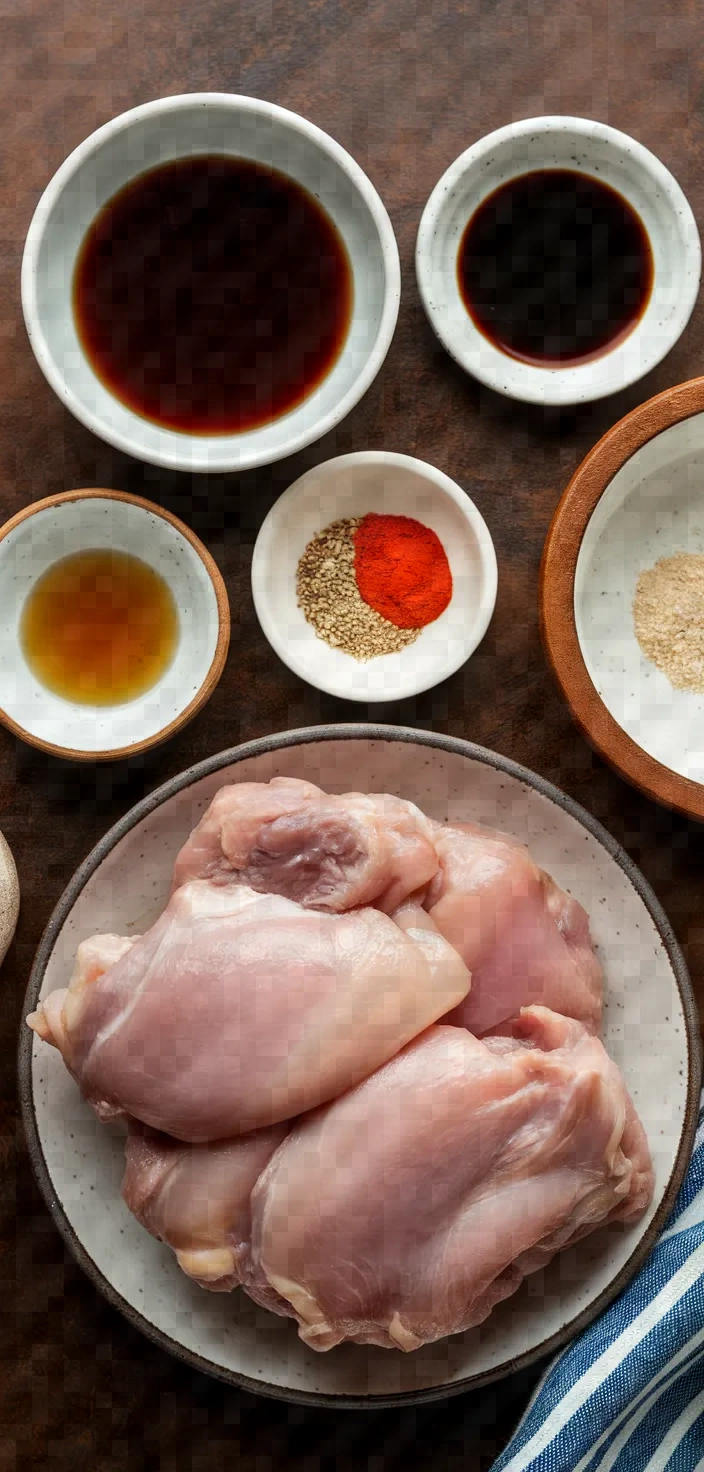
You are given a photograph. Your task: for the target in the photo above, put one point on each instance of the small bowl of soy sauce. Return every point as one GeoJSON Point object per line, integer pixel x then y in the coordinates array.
{"type": "Point", "coordinates": [210, 282]}
{"type": "Point", "coordinates": [558, 260]}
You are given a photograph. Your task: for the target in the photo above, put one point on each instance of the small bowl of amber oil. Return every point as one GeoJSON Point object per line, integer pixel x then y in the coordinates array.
{"type": "Point", "coordinates": [114, 624]}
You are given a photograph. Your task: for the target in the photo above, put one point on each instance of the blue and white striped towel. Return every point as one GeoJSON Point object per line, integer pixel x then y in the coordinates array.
{"type": "Point", "coordinates": [628, 1394]}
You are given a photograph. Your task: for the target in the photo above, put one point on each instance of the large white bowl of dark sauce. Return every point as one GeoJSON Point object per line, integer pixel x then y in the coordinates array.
{"type": "Point", "coordinates": [555, 211]}
{"type": "Point", "coordinates": [309, 211]}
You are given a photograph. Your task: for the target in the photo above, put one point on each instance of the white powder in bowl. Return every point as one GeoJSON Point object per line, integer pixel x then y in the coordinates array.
{"type": "Point", "coordinates": [668, 612]}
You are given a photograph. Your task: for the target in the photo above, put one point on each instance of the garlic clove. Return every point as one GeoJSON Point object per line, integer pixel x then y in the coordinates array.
{"type": "Point", "coordinates": [9, 896]}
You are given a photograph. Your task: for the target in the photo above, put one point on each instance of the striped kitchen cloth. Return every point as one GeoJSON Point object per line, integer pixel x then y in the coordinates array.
{"type": "Point", "coordinates": [628, 1394]}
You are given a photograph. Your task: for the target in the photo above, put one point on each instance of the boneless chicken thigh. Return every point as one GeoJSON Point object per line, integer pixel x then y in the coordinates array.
{"type": "Point", "coordinates": [358, 1061]}
{"type": "Point", "coordinates": [327, 852]}
{"type": "Point", "coordinates": [196, 1198]}
{"type": "Point", "coordinates": [237, 1010]}
{"type": "Point", "coordinates": [406, 1209]}
{"type": "Point", "coordinates": [523, 939]}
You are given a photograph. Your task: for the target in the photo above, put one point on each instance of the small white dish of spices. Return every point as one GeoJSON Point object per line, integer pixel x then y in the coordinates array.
{"type": "Point", "coordinates": [374, 576]}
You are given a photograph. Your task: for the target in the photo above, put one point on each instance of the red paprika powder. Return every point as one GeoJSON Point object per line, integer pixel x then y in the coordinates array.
{"type": "Point", "coordinates": [402, 570]}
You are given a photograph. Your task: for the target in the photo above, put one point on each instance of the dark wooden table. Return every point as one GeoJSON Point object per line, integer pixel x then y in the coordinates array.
{"type": "Point", "coordinates": [405, 85]}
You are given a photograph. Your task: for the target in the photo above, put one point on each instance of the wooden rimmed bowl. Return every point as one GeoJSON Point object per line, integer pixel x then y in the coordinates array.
{"type": "Point", "coordinates": [76, 521]}
{"type": "Point", "coordinates": [637, 497]}
{"type": "Point", "coordinates": [650, 1029]}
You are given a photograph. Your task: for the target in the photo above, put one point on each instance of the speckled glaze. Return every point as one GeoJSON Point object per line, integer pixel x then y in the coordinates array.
{"type": "Point", "coordinates": [352, 485]}
{"type": "Point", "coordinates": [176, 127]}
{"type": "Point", "coordinates": [9, 896]}
{"type": "Point", "coordinates": [75, 521]}
{"type": "Point", "coordinates": [591, 148]}
{"type": "Point", "coordinates": [650, 1029]}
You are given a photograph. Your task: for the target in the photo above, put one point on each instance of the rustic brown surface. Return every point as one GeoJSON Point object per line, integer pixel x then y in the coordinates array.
{"type": "Point", "coordinates": [405, 85]}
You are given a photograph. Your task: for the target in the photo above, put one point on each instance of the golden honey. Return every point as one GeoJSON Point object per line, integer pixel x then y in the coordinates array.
{"type": "Point", "coordinates": [99, 627]}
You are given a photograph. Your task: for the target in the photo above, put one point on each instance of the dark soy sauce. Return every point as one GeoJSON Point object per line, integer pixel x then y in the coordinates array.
{"type": "Point", "coordinates": [555, 267]}
{"type": "Point", "coordinates": [212, 295]}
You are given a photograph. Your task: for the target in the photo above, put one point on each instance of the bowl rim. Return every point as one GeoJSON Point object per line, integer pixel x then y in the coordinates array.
{"type": "Point", "coordinates": [188, 459]}
{"type": "Point", "coordinates": [558, 626]}
{"type": "Point", "coordinates": [442, 482]}
{"type": "Point", "coordinates": [217, 663]}
{"type": "Point", "coordinates": [554, 388]}
{"type": "Point", "coordinates": [355, 732]}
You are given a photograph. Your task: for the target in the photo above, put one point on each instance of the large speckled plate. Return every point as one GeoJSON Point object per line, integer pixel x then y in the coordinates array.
{"type": "Point", "coordinates": [650, 1029]}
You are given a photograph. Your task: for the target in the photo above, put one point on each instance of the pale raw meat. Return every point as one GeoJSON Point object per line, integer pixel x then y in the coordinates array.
{"type": "Point", "coordinates": [237, 1010]}
{"type": "Point", "coordinates": [94, 957]}
{"type": "Point", "coordinates": [331, 853]}
{"type": "Point", "coordinates": [299, 1124]}
{"type": "Point", "coordinates": [406, 1209]}
{"type": "Point", "coordinates": [196, 1198]}
{"type": "Point", "coordinates": [523, 939]}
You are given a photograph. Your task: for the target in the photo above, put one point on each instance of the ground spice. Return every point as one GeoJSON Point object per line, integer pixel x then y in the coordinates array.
{"type": "Point", "coordinates": [668, 613]}
{"type": "Point", "coordinates": [327, 593]}
{"type": "Point", "coordinates": [402, 570]}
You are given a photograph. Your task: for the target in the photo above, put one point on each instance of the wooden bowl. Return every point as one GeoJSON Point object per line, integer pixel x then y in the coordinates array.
{"type": "Point", "coordinates": [634, 498]}
{"type": "Point", "coordinates": [74, 521]}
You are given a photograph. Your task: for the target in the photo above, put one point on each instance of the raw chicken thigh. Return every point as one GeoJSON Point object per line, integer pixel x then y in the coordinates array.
{"type": "Point", "coordinates": [197, 1198]}
{"type": "Point", "coordinates": [237, 1010]}
{"type": "Point", "coordinates": [523, 939]}
{"type": "Point", "coordinates": [300, 1126]}
{"type": "Point", "coordinates": [406, 1209]}
{"type": "Point", "coordinates": [332, 853]}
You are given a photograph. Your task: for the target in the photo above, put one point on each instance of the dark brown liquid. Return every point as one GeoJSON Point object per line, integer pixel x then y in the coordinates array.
{"type": "Point", "coordinates": [555, 267]}
{"type": "Point", "coordinates": [212, 295]}
{"type": "Point", "coordinates": [99, 627]}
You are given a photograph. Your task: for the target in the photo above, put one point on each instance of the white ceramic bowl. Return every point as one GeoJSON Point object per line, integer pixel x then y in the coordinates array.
{"type": "Point", "coordinates": [352, 485]}
{"type": "Point", "coordinates": [176, 127]}
{"type": "Point", "coordinates": [650, 1029]}
{"type": "Point", "coordinates": [590, 148]}
{"type": "Point", "coordinates": [80, 520]}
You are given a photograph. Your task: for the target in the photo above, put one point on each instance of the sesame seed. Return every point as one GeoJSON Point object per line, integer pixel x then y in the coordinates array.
{"type": "Point", "coordinates": [327, 593]}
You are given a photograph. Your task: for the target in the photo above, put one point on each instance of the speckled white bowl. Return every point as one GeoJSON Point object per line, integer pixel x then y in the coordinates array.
{"type": "Point", "coordinates": [177, 127]}
{"type": "Point", "coordinates": [75, 521]}
{"type": "Point", "coordinates": [352, 485]}
{"type": "Point", "coordinates": [590, 148]}
{"type": "Point", "coordinates": [650, 1029]}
